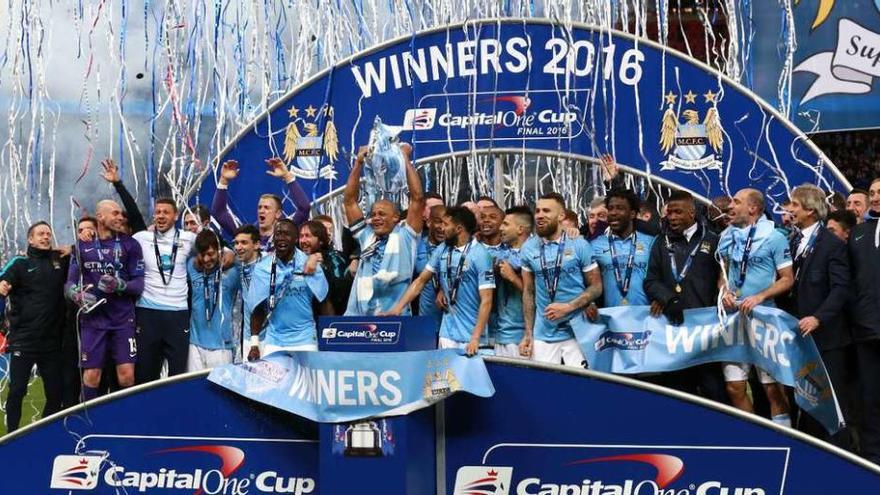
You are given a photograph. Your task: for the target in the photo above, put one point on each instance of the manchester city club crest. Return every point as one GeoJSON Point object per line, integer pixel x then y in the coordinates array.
{"type": "Point", "coordinates": [305, 147]}
{"type": "Point", "coordinates": [440, 381]}
{"type": "Point", "coordinates": [694, 144]}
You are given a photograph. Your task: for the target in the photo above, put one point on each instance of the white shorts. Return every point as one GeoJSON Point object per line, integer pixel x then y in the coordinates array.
{"type": "Point", "coordinates": [203, 359]}
{"type": "Point", "coordinates": [567, 352]}
{"type": "Point", "coordinates": [508, 350]}
{"type": "Point", "coordinates": [269, 348]}
{"type": "Point", "coordinates": [444, 343]}
{"type": "Point", "coordinates": [739, 372]}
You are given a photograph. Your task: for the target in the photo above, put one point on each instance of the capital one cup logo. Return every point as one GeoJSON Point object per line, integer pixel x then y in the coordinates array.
{"type": "Point", "coordinates": [75, 472]}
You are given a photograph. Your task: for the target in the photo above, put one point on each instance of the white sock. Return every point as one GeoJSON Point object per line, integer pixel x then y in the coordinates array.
{"type": "Point", "coordinates": [782, 419]}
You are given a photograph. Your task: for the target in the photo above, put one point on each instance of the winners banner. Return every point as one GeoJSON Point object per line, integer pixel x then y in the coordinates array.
{"type": "Point", "coordinates": [527, 86]}
{"type": "Point", "coordinates": [628, 340]}
{"type": "Point", "coordinates": [332, 387]}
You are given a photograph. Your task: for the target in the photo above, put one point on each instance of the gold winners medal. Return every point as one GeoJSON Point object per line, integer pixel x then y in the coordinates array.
{"type": "Point", "coordinates": [678, 288]}
{"type": "Point", "coordinates": [739, 292]}
{"type": "Point", "coordinates": [624, 302]}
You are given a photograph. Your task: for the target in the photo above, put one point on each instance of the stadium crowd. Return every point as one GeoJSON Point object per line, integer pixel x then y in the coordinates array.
{"type": "Point", "coordinates": [130, 298]}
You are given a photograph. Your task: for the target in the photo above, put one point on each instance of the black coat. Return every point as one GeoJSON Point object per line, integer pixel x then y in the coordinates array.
{"type": "Point", "coordinates": [36, 306]}
{"type": "Point", "coordinates": [864, 258]}
{"type": "Point", "coordinates": [700, 286]}
{"type": "Point", "coordinates": [822, 290]}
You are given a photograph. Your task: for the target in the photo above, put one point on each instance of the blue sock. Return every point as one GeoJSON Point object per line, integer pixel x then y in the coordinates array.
{"type": "Point", "coordinates": [89, 393]}
{"type": "Point", "coordinates": [782, 419]}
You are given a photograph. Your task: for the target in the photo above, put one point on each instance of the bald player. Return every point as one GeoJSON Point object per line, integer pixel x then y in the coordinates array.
{"type": "Point", "coordinates": [388, 247]}
{"type": "Point", "coordinates": [109, 268]}
{"type": "Point", "coordinates": [759, 268]}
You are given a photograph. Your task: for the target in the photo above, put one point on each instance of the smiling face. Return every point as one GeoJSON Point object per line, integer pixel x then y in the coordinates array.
{"type": "Point", "coordinates": [597, 214]}
{"type": "Point", "coordinates": [164, 215]}
{"type": "Point", "coordinates": [109, 216]}
{"type": "Point", "coordinates": [284, 239]}
{"type": "Point", "coordinates": [245, 247]}
{"type": "Point", "coordinates": [383, 217]}
{"type": "Point", "coordinates": [857, 203]}
{"type": "Point", "coordinates": [208, 258]}
{"type": "Point", "coordinates": [40, 237]}
{"type": "Point", "coordinates": [548, 216]}
{"type": "Point", "coordinates": [620, 215]}
{"type": "Point", "coordinates": [874, 196]}
{"type": "Point", "coordinates": [490, 221]}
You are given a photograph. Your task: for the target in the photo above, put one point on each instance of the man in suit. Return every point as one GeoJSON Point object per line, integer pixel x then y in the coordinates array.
{"type": "Point", "coordinates": [864, 252]}
{"type": "Point", "coordinates": [819, 293]}
{"type": "Point", "coordinates": [683, 274]}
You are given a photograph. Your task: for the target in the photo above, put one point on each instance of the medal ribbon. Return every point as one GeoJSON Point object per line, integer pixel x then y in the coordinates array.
{"type": "Point", "coordinates": [553, 284]}
{"type": "Point", "coordinates": [744, 265]}
{"type": "Point", "coordinates": [679, 277]}
{"type": "Point", "coordinates": [455, 283]}
{"type": "Point", "coordinates": [624, 284]}
{"type": "Point", "coordinates": [159, 256]}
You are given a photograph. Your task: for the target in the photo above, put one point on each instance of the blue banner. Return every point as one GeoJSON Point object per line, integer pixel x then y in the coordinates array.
{"type": "Point", "coordinates": [629, 340]}
{"type": "Point", "coordinates": [516, 86]}
{"type": "Point", "coordinates": [332, 387]}
{"type": "Point", "coordinates": [834, 63]}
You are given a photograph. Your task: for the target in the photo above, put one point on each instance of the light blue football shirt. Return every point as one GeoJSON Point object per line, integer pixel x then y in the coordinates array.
{"type": "Point", "coordinates": [427, 299]}
{"type": "Point", "coordinates": [215, 333]}
{"type": "Point", "coordinates": [509, 322]}
{"type": "Point", "coordinates": [400, 255]}
{"type": "Point", "coordinates": [622, 248]}
{"type": "Point", "coordinates": [292, 322]}
{"type": "Point", "coordinates": [770, 252]}
{"type": "Point", "coordinates": [476, 274]}
{"type": "Point", "coordinates": [577, 259]}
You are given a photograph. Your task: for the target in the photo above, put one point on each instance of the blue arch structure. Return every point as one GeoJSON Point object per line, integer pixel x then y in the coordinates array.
{"type": "Point", "coordinates": [516, 85]}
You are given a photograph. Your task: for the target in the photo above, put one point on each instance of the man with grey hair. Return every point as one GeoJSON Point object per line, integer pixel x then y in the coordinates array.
{"type": "Point", "coordinates": [819, 294]}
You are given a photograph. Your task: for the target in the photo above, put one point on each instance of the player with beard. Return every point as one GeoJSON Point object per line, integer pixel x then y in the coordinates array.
{"type": "Point", "coordinates": [111, 268]}
{"type": "Point", "coordinates": [759, 269]}
{"type": "Point", "coordinates": [509, 323]}
{"type": "Point", "coordinates": [466, 278]}
{"type": "Point", "coordinates": [559, 280]}
{"type": "Point", "coordinates": [388, 247]}
{"type": "Point", "coordinates": [163, 310]}
{"type": "Point", "coordinates": [427, 245]}
{"type": "Point", "coordinates": [269, 208]}
{"type": "Point", "coordinates": [213, 292]}
{"type": "Point", "coordinates": [622, 253]}
{"type": "Point", "coordinates": [281, 295]}
{"type": "Point", "coordinates": [314, 240]}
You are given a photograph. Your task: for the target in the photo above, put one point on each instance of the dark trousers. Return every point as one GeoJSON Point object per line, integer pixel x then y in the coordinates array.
{"type": "Point", "coordinates": [704, 380]}
{"type": "Point", "coordinates": [161, 335]}
{"type": "Point", "coordinates": [868, 359]}
{"type": "Point", "coordinates": [20, 366]}
{"type": "Point", "coordinates": [836, 364]}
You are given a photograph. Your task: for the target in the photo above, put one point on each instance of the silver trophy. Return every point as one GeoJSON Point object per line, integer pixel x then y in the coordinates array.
{"type": "Point", "coordinates": [363, 440]}
{"type": "Point", "coordinates": [385, 167]}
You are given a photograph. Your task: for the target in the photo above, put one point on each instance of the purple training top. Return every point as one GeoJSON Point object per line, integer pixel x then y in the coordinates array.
{"type": "Point", "coordinates": [220, 209]}
{"type": "Point", "coordinates": [120, 256]}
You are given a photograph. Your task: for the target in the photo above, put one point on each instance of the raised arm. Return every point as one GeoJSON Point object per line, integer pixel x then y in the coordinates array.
{"type": "Point", "coordinates": [278, 169]}
{"type": "Point", "coordinates": [352, 191]}
{"type": "Point", "coordinates": [135, 218]}
{"type": "Point", "coordinates": [220, 203]}
{"type": "Point", "coordinates": [416, 192]}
